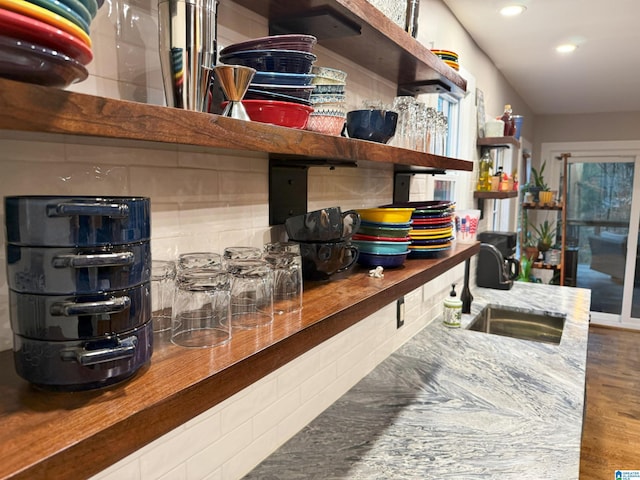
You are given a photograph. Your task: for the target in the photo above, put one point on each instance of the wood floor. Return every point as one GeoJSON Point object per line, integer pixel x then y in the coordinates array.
{"type": "Point", "coordinates": [611, 434]}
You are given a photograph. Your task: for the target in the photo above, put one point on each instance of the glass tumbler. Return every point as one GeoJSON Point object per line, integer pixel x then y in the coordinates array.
{"type": "Point", "coordinates": [163, 275]}
{"type": "Point", "coordinates": [238, 253]}
{"type": "Point", "coordinates": [251, 293]}
{"type": "Point", "coordinates": [286, 263]}
{"type": "Point", "coordinates": [201, 308]}
{"type": "Point", "coordinates": [197, 260]}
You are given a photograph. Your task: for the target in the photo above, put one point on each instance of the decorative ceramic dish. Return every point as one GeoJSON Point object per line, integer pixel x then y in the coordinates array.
{"type": "Point", "coordinates": [275, 78]}
{"type": "Point", "coordinates": [302, 43]}
{"type": "Point", "coordinates": [328, 75]}
{"type": "Point", "coordinates": [29, 29]}
{"type": "Point", "coordinates": [385, 260]}
{"type": "Point", "coordinates": [381, 247]}
{"type": "Point", "coordinates": [80, 18]}
{"type": "Point", "coordinates": [286, 114]}
{"type": "Point", "coordinates": [46, 16]}
{"type": "Point", "coordinates": [280, 61]}
{"type": "Point", "coordinates": [32, 63]}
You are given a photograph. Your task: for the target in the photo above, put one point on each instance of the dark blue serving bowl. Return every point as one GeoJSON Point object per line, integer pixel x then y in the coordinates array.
{"type": "Point", "coordinates": [373, 125]}
{"type": "Point", "coordinates": [279, 61]}
{"type": "Point", "coordinates": [385, 260]}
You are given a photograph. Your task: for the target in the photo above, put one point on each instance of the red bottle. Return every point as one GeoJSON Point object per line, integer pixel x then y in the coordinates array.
{"type": "Point", "coordinates": [509, 122]}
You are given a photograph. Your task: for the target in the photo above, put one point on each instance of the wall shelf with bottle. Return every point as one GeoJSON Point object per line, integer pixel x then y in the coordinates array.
{"type": "Point", "coordinates": [38, 109]}
{"type": "Point", "coordinates": [497, 142]}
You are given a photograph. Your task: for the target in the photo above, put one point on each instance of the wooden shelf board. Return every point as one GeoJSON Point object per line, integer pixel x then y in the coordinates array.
{"type": "Point", "coordinates": [33, 108]}
{"type": "Point", "coordinates": [397, 56]}
{"type": "Point", "coordinates": [546, 266]}
{"type": "Point", "coordinates": [540, 206]}
{"type": "Point", "coordinates": [498, 142]}
{"type": "Point", "coordinates": [76, 435]}
{"type": "Point", "coordinates": [496, 195]}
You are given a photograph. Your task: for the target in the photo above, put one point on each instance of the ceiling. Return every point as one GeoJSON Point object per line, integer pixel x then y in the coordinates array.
{"type": "Point", "coordinates": [601, 75]}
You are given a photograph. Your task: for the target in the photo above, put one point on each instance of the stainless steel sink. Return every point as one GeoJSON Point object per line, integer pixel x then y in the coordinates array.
{"type": "Point", "coordinates": [526, 324]}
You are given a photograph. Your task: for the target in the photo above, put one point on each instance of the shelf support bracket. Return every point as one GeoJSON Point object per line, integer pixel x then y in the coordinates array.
{"type": "Point", "coordinates": [288, 185]}
{"type": "Point", "coordinates": [402, 180]}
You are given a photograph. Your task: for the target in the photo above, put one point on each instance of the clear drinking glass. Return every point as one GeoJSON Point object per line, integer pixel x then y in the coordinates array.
{"type": "Point", "coordinates": [251, 293]}
{"type": "Point", "coordinates": [239, 253]}
{"type": "Point", "coordinates": [405, 106]}
{"type": "Point", "coordinates": [202, 308]}
{"type": "Point", "coordinates": [163, 275]}
{"type": "Point", "coordinates": [286, 263]}
{"type": "Point", "coordinates": [199, 260]}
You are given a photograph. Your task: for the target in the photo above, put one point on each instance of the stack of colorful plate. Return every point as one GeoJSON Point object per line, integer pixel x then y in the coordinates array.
{"type": "Point", "coordinates": [46, 42]}
{"type": "Point", "coordinates": [432, 228]}
{"type": "Point", "coordinates": [448, 57]}
{"type": "Point", "coordinates": [382, 237]}
{"type": "Point", "coordinates": [283, 65]}
{"type": "Point", "coordinates": [329, 101]}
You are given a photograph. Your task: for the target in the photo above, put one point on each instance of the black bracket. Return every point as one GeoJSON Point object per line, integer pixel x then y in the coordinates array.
{"type": "Point", "coordinates": [288, 185]}
{"type": "Point", "coordinates": [402, 180]}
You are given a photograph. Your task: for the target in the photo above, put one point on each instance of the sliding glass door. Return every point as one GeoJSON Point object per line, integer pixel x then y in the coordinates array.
{"type": "Point", "coordinates": [602, 234]}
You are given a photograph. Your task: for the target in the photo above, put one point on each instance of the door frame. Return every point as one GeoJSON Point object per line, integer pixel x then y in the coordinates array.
{"type": "Point", "coordinates": [628, 149]}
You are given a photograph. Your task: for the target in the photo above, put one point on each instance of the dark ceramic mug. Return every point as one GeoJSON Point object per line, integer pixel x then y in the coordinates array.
{"type": "Point", "coordinates": [321, 260]}
{"type": "Point", "coordinates": [324, 225]}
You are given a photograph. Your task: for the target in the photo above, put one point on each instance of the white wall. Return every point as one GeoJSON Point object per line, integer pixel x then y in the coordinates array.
{"type": "Point", "coordinates": [208, 200]}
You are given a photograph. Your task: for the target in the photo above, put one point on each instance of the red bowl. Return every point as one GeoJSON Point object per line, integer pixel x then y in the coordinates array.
{"type": "Point", "coordinates": [286, 114]}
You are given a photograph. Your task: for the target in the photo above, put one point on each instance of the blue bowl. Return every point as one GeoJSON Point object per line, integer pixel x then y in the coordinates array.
{"type": "Point", "coordinates": [275, 78]}
{"type": "Point", "coordinates": [367, 246]}
{"type": "Point", "coordinates": [385, 260]}
{"type": "Point", "coordinates": [373, 125]}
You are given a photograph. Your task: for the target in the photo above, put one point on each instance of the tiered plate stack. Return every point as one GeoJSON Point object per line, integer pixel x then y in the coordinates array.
{"type": "Point", "coordinates": [78, 271]}
{"type": "Point", "coordinates": [431, 228]}
{"type": "Point", "coordinates": [382, 236]}
{"type": "Point", "coordinates": [448, 57]}
{"type": "Point", "coordinates": [46, 42]}
{"type": "Point", "coordinates": [280, 90]}
{"type": "Point", "coordinates": [329, 101]}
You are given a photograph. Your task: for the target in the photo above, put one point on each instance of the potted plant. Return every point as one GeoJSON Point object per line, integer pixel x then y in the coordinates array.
{"type": "Point", "coordinates": [538, 185]}
{"type": "Point", "coordinates": [530, 248]}
{"type": "Point", "coordinates": [546, 232]}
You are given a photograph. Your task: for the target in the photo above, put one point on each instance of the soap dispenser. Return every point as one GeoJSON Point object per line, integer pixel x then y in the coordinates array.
{"type": "Point", "coordinates": [452, 312]}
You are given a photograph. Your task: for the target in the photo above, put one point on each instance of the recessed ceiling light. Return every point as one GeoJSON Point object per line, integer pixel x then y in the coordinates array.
{"type": "Point", "coordinates": [566, 48]}
{"type": "Point", "coordinates": [512, 10]}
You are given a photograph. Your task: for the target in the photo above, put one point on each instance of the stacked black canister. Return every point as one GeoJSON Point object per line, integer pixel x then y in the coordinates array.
{"type": "Point", "coordinates": [78, 270]}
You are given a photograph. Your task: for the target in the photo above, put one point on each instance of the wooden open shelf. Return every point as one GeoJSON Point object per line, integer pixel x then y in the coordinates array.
{"type": "Point", "coordinates": [357, 30]}
{"type": "Point", "coordinates": [498, 142]}
{"type": "Point", "coordinates": [47, 435]}
{"type": "Point", "coordinates": [546, 266]}
{"type": "Point", "coordinates": [33, 108]}
{"type": "Point", "coordinates": [495, 195]}
{"type": "Point", "coordinates": [542, 206]}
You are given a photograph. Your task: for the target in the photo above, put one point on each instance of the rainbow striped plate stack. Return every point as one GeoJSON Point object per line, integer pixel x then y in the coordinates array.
{"type": "Point", "coordinates": [448, 57]}
{"type": "Point", "coordinates": [46, 42]}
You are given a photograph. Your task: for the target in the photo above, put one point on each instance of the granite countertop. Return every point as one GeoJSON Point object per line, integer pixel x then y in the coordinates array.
{"type": "Point", "coordinates": [454, 403]}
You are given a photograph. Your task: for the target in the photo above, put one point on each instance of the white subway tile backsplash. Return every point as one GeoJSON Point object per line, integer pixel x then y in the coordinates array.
{"type": "Point", "coordinates": [114, 154]}
{"type": "Point", "coordinates": [243, 462]}
{"type": "Point", "coordinates": [274, 412]}
{"type": "Point", "coordinates": [260, 396]}
{"type": "Point", "coordinates": [315, 382]}
{"type": "Point", "coordinates": [129, 470]}
{"type": "Point", "coordinates": [207, 460]}
{"type": "Point", "coordinates": [178, 473]}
